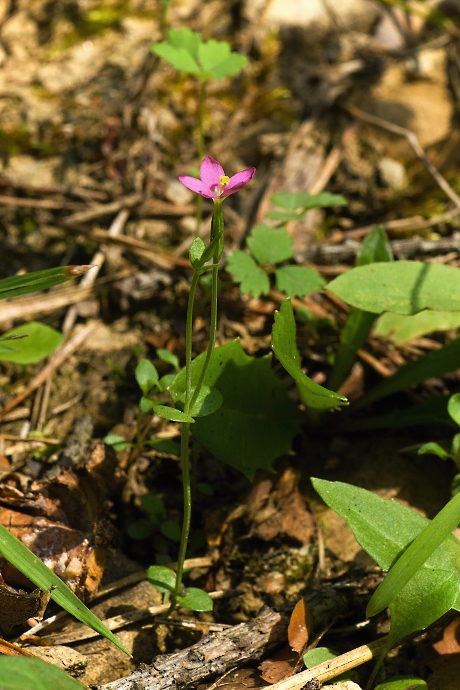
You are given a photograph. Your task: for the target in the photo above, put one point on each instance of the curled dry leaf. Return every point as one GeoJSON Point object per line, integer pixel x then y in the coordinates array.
{"type": "Point", "coordinates": [301, 626]}
{"type": "Point", "coordinates": [18, 607]}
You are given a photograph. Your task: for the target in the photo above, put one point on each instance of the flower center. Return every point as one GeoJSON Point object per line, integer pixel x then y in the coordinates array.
{"type": "Point", "coordinates": [223, 182]}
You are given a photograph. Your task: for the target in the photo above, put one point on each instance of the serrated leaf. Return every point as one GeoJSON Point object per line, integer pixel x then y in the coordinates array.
{"type": "Point", "coordinates": [245, 271]}
{"type": "Point", "coordinates": [218, 61]}
{"type": "Point", "coordinates": [298, 281]}
{"type": "Point", "coordinates": [284, 345]}
{"type": "Point", "coordinates": [403, 287]}
{"type": "Point", "coordinates": [401, 328]}
{"type": "Point", "coordinates": [162, 578]}
{"type": "Point", "coordinates": [38, 280]}
{"type": "Point", "coordinates": [185, 38]}
{"type": "Point", "coordinates": [18, 673]}
{"type": "Point", "coordinates": [196, 252]}
{"type": "Point", "coordinates": [41, 341]}
{"type": "Point", "coordinates": [270, 245]}
{"type": "Point", "coordinates": [195, 600]}
{"type": "Point", "coordinates": [146, 375]}
{"type": "Point", "coordinates": [292, 201]}
{"type": "Point", "coordinates": [453, 407]}
{"type": "Point", "coordinates": [257, 420]}
{"type": "Point", "coordinates": [169, 358]}
{"type": "Point", "coordinates": [37, 572]}
{"type": "Point", "coordinates": [179, 58]}
{"type": "Point", "coordinates": [172, 414]}
{"type": "Point", "coordinates": [433, 449]}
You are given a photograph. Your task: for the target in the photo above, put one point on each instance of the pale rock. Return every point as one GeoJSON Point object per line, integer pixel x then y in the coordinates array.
{"type": "Point", "coordinates": [392, 174]}
{"type": "Point", "coordinates": [344, 685]}
{"type": "Point", "coordinates": [66, 658]}
{"type": "Point", "coordinates": [104, 339]}
{"type": "Point", "coordinates": [31, 171]}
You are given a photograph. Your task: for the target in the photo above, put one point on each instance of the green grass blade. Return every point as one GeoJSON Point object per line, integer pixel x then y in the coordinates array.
{"type": "Point", "coordinates": [33, 568]}
{"type": "Point", "coordinates": [39, 280]}
{"type": "Point", "coordinates": [415, 556]}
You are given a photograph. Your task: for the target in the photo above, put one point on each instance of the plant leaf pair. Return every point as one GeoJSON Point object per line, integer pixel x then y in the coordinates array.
{"type": "Point", "coordinates": [164, 579]}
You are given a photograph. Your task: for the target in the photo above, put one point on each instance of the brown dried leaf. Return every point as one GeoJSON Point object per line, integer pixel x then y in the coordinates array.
{"type": "Point", "coordinates": [301, 626]}
{"type": "Point", "coordinates": [281, 666]}
{"type": "Point", "coordinates": [16, 608]}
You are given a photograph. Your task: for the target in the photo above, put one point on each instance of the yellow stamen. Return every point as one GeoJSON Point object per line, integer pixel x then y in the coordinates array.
{"type": "Point", "coordinates": [223, 180]}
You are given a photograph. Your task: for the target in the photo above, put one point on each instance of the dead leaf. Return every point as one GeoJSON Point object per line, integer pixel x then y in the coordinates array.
{"type": "Point", "coordinates": [281, 666]}
{"type": "Point", "coordinates": [301, 626]}
{"type": "Point", "coordinates": [18, 607]}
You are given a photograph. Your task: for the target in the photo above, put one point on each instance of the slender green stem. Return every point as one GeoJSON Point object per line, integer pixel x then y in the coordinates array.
{"type": "Point", "coordinates": [187, 512]}
{"type": "Point", "coordinates": [201, 112]}
{"type": "Point", "coordinates": [188, 343]}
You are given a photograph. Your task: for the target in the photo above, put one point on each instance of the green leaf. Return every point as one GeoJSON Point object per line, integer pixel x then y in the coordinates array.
{"type": "Point", "coordinates": [384, 529]}
{"type": "Point", "coordinates": [375, 248]}
{"type": "Point", "coordinates": [196, 600]}
{"type": "Point", "coordinates": [171, 530]}
{"type": "Point", "coordinates": [172, 414]}
{"type": "Point", "coordinates": [453, 408]}
{"type": "Point", "coordinates": [164, 445]}
{"type": "Point", "coordinates": [41, 342]}
{"type": "Point", "coordinates": [320, 654]}
{"type": "Point", "coordinates": [404, 287]}
{"type": "Point", "coordinates": [185, 38]}
{"type": "Point", "coordinates": [244, 270]}
{"type": "Point", "coordinates": [434, 449]}
{"type": "Point", "coordinates": [117, 442]}
{"type": "Point", "coordinates": [146, 375]}
{"type": "Point", "coordinates": [39, 280]}
{"type": "Point", "coordinates": [179, 58]}
{"type": "Point", "coordinates": [415, 556]}
{"type": "Point", "coordinates": [152, 504]}
{"type": "Point", "coordinates": [402, 683]}
{"type": "Point", "coordinates": [283, 343]}
{"type": "Point", "coordinates": [33, 568]}
{"type": "Point", "coordinates": [269, 245]}
{"type": "Point", "coordinates": [196, 252]}
{"type": "Point", "coordinates": [33, 674]}
{"type": "Point", "coordinates": [292, 201]}
{"type": "Point", "coordinates": [208, 401]}
{"type": "Point", "coordinates": [169, 358]}
{"type": "Point", "coordinates": [142, 529]}
{"type": "Point", "coordinates": [146, 405]}
{"type": "Point", "coordinates": [205, 489]}
{"type": "Point", "coordinates": [162, 578]}
{"type": "Point", "coordinates": [436, 363]}
{"type": "Point", "coordinates": [298, 281]}
{"type": "Point", "coordinates": [165, 380]}
{"type": "Point", "coordinates": [257, 419]}
{"type": "Point", "coordinates": [403, 327]}
{"type": "Point", "coordinates": [218, 61]}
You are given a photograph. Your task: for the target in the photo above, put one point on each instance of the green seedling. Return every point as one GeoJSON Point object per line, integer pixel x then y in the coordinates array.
{"type": "Point", "coordinates": [453, 409]}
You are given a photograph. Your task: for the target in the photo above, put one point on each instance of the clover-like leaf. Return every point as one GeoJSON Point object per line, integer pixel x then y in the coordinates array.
{"type": "Point", "coordinates": [298, 281]}
{"type": "Point", "coordinates": [171, 530]}
{"type": "Point", "coordinates": [117, 442]}
{"type": "Point", "coordinates": [270, 245]}
{"type": "Point", "coordinates": [196, 600]}
{"type": "Point", "coordinates": [180, 50]}
{"type": "Point", "coordinates": [146, 375]}
{"type": "Point", "coordinates": [219, 61]}
{"type": "Point", "coordinates": [245, 271]}
{"type": "Point", "coordinates": [185, 38]}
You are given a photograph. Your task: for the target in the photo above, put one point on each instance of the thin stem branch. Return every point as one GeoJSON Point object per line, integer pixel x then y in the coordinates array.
{"type": "Point", "coordinates": [185, 432]}
{"type": "Point", "coordinates": [188, 344]}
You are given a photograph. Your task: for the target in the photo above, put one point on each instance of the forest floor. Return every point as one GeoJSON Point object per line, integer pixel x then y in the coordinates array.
{"type": "Point", "coordinates": [94, 131]}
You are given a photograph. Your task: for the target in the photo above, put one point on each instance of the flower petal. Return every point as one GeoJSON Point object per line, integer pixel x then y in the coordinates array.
{"type": "Point", "coordinates": [192, 183]}
{"type": "Point", "coordinates": [210, 171]}
{"type": "Point", "coordinates": [238, 181]}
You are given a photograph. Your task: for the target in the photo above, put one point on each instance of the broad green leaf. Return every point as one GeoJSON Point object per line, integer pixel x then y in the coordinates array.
{"type": "Point", "coordinates": [320, 654]}
{"type": "Point", "coordinates": [172, 414]}
{"type": "Point", "coordinates": [269, 245]}
{"type": "Point", "coordinates": [164, 445]}
{"type": "Point", "coordinates": [245, 271]}
{"type": "Point", "coordinates": [453, 407]}
{"type": "Point", "coordinates": [298, 281]}
{"type": "Point", "coordinates": [33, 568]}
{"type": "Point", "coordinates": [196, 252]}
{"type": "Point", "coordinates": [162, 578]}
{"type": "Point", "coordinates": [375, 248]}
{"type": "Point", "coordinates": [431, 411]}
{"type": "Point", "coordinates": [257, 420]}
{"type": "Point", "coordinates": [18, 673]}
{"type": "Point", "coordinates": [196, 600]}
{"type": "Point", "coordinates": [185, 38]}
{"type": "Point", "coordinates": [402, 683]}
{"type": "Point", "coordinates": [218, 61]}
{"type": "Point", "coordinates": [284, 345]}
{"type": "Point", "coordinates": [41, 342]}
{"type": "Point", "coordinates": [403, 287]}
{"type": "Point", "coordinates": [171, 530]}
{"type": "Point", "coordinates": [146, 375]}
{"type": "Point", "coordinates": [292, 201]}
{"type": "Point", "coordinates": [179, 58]}
{"type": "Point", "coordinates": [403, 327]}
{"type": "Point", "coordinates": [384, 529]}
{"type": "Point", "coordinates": [208, 401]}
{"type": "Point", "coordinates": [433, 449]}
{"type": "Point", "coordinates": [415, 556]}
{"type": "Point", "coordinates": [168, 357]}
{"type": "Point", "coordinates": [39, 280]}
{"type": "Point", "coordinates": [436, 363]}
{"type": "Point", "coordinates": [117, 442]}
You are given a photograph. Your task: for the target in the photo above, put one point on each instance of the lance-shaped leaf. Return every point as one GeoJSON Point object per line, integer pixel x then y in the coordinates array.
{"type": "Point", "coordinates": [284, 345]}
{"type": "Point", "coordinates": [39, 280]}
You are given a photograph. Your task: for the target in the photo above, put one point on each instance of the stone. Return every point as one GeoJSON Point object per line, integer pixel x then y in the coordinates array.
{"type": "Point", "coordinates": [71, 661]}
{"type": "Point", "coordinates": [392, 174]}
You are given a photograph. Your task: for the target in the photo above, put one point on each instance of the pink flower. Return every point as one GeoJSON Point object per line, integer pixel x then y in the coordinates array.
{"type": "Point", "coordinates": [214, 183]}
